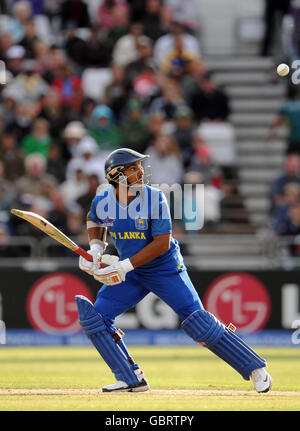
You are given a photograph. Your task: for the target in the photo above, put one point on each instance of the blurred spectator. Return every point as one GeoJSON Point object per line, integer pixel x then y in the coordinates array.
{"type": "Point", "coordinates": [36, 180]}
{"type": "Point", "coordinates": [170, 100]}
{"type": "Point", "coordinates": [98, 50]}
{"type": "Point", "coordinates": [195, 71]}
{"type": "Point", "coordinates": [14, 59]}
{"type": "Point", "coordinates": [203, 164]}
{"type": "Point", "coordinates": [183, 133]}
{"type": "Point", "coordinates": [144, 85]}
{"type": "Point", "coordinates": [76, 185]}
{"type": "Point", "coordinates": [72, 135]}
{"type": "Point", "coordinates": [106, 17]}
{"type": "Point", "coordinates": [8, 190]}
{"type": "Point", "coordinates": [135, 67]}
{"type": "Point", "coordinates": [6, 42]}
{"type": "Point", "coordinates": [87, 107]}
{"type": "Point", "coordinates": [134, 126]}
{"type": "Point", "coordinates": [20, 125]}
{"type": "Point", "coordinates": [288, 115]}
{"type": "Point", "coordinates": [288, 224]}
{"type": "Point", "coordinates": [185, 13]}
{"type": "Point", "coordinates": [167, 46]}
{"type": "Point", "coordinates": [104, 130]}
{"type": "Point", "coordinates": [151, 19]}
{"type": "Point", "coordinates": [43, 59]}
{"type": "Point", "coordinates": [51, 110]}
{"type": "Point", "coordinates": [68, 84]}
{"type": "Point", "coordinates": [57, 215]}
{"type": "Point", "coordinates": [165, 161]}
{"type": "Point", "coordinates": [11, 157]}
{"type": "Point", "coordinates": [39, 140]}
{"type": "Point", "coordinates": [208, 100]}
{"type": "Point", "coordinates": [55, 163]}
{"type": "Point", "coordinates": [85, 200]}
{"type": "Point", "coordinates": [156, 123]}
{"type": "Point", "coordinates": [29, 39]}
{"type": "Point", "coordinates": [291, 174]}
{"type": "Point", "coordinates": [125, 50]}
{"type": "Point", "coordinates": [291, 196]}
{"type": "Point", "coordinates": [273, 9]}
{"type": "Point", "coordinates": [7, 109]}
{"type": "Point", "coordinates": [76, 47]}
{"type": "Point", "coordinates": [117, 93]}
{"type": "Point", "coordinates": [28, 85]}
{"type": "Point", "coordinates": [75, 12]}
{"type": "Point", "coordinates": [86, 150]}
{"type": "Point", "coordinates": [120, 27]}
{"type": "Point", "coordinates": [21, 12]}
{"type": "Point", "coordinates": [75, 226]}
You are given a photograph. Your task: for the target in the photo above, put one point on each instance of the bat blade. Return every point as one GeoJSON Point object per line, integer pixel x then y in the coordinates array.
{"type": "Point", "coordinates": [48, 228]}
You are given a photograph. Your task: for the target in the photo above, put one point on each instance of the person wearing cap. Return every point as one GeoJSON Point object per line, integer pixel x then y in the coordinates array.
{"type": "Point", "coordinates": [72, 135]}
{"type": "Point", "coordinates": [138, 219]}
{"type": "Point", "coordinates": [104, 129]}
{"type": "Point", "coordinates": [14, 57]}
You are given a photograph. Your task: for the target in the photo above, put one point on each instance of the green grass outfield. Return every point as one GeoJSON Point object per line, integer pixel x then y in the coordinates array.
{"type": "Point", "coordinates": [181, 379]}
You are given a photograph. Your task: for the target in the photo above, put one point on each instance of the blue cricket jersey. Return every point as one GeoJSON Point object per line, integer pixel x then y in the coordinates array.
{"type": "Point", "coordinates": [133, 225]}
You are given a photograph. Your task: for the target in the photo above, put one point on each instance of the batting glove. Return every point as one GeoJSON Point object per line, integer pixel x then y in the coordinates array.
{"type": "Point", "coordinates": [115, 273]}
{"type": "Point", "coordinates": [90, 267]}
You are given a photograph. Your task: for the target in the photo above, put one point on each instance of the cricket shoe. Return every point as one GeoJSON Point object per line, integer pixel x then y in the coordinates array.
{"type": "Point", "coordinates": [121, 386]}
{"type": "Point", "coordinates": [262, 380]}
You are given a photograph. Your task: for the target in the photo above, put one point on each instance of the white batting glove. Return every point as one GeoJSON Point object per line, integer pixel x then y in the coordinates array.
{"type": "Point", "coordinates": [90, 267]}
{"type": "Point", "coordinates": [115, 273]}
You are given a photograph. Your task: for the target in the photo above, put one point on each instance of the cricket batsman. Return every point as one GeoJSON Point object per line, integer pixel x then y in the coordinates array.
{"type": "Point", "coordinates": [138, 219]}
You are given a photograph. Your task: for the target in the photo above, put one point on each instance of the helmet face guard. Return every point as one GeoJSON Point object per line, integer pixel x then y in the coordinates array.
{"type": "Point", "coordinates": [118, 160]}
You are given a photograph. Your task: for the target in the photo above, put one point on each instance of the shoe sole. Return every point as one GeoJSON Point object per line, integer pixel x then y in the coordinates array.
{"type": "Point", "coordinates": [141, 388]}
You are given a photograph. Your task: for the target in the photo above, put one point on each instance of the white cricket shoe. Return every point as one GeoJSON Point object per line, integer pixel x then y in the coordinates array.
{"type": "Point", "coordinates": [121, 386]}
{"type": "Point", "coordinates": [261, 379]}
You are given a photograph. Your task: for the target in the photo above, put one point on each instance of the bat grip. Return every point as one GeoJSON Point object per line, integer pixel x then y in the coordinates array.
{"type": "Point", "coordinates": [87, 256]}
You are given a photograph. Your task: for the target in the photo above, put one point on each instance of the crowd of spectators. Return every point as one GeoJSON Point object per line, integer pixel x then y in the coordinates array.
{"type": "Point", "coordinates": [86, 78]}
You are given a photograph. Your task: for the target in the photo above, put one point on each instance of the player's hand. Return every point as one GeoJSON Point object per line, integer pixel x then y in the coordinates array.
{"type": "Point", "coordinates": [114, 274]}
{"type": "Point", "coordinates": [91, 267]}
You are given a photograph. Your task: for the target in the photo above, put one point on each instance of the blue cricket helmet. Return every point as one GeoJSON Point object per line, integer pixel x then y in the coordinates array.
{"type": "Point", "coordinates": [119, 159]}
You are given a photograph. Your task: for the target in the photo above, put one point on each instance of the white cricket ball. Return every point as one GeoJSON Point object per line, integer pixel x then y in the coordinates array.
{"type": "Point", "coordinates": [283, 69]}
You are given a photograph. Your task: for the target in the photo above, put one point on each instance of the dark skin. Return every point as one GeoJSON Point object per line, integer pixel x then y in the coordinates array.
{"type": "Point", "coordinates": [160, 243]}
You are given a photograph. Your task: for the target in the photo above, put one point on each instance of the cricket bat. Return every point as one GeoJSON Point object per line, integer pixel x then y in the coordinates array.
{"type": "Point", "coordinates": [47, 227]}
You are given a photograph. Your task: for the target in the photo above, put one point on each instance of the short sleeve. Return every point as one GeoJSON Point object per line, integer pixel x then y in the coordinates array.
{"type": "Point", "coordinates": [161, 217]}
{"type": "Point", "coordinates": [93, 211]}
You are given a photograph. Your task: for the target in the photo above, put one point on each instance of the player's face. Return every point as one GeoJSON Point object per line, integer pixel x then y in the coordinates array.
{"type": "Point", "coordinates": [134, 173]}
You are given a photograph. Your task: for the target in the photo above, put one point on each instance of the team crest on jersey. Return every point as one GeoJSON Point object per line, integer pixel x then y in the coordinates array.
{"type": "Point", "coordinates": [108, 221]}
{"type": "Point", "coordinates": [141, 223]}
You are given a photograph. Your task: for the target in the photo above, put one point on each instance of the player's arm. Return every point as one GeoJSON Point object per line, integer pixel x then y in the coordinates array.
{"type": "Point", "coordinates": [159, 245]}
{"type": "Point", "coordinates": [97, 240]}
{"type": "Point", "coordinates": [96, 234]}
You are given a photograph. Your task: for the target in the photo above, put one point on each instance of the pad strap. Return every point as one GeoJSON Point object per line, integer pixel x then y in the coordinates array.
{"type": "Point", "coordinates": [206, 329]}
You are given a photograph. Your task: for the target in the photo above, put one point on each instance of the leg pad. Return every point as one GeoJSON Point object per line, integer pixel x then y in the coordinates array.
{"type": "Point", "coordinates": [206, 329]}
{"type": "Point", "coordinates": [95, 328]}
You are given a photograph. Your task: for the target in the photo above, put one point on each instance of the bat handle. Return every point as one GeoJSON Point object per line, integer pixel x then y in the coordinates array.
{"type": "Point", "coordinates": [87, 256]}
